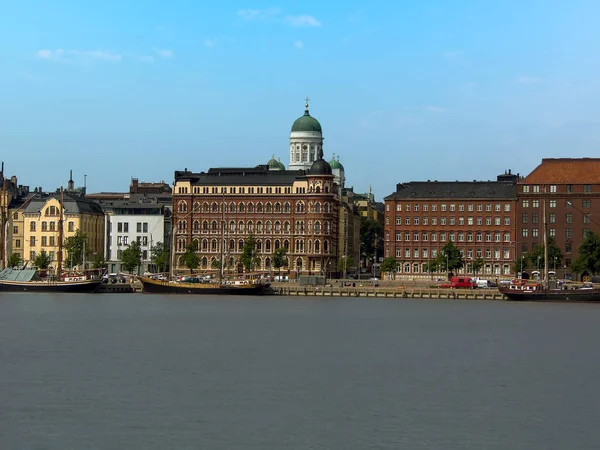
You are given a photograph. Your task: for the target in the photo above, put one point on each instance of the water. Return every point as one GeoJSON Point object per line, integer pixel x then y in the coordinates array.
{"type": "Point", "coordinates": [156, 372]}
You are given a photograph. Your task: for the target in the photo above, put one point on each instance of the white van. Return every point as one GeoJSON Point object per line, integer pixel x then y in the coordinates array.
{"type": "Point", "coordinates": [483, 284]}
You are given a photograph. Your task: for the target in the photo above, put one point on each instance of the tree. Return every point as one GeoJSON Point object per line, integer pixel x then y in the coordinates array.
{"type": "Point", "coordinates": [371, 237]}
{"type": "Point", "coordinates": [190, 257]}
{"type": "Point", "coordinates": [477, 265]}
{"type": "Point", "coordinates": [389, 265]}
{"type": "Point", "coordinates": [98, 262]}
{"type": "Point", "coordinates": [589, 255]}
{"type": "Point", "coordinates": [131, 257]}
{"type": "Point", "coordinates": [74, 246]}
{"type": "Point", "coordinates": [555, 256]}
{"type": "Point", "coordinates": [42, 260]}
{"type": "Point", "coordinates": [216, 264]}
{"type": "Point", "coordinates": [14, 260]}
{"type": "Point", "coordinates": [450, 257]}
{"type": "Point", "coordinates": [159, 255]}
{"type": "Point", "coordinates": [279, 259]}
{"type": "Point", "coordinates": [521, 264]}
{"type": "Point", "coordinates": [432, 266]}
{"type": "Point", "coordinates": [250, 257]}
{"type": "Point", "coordinates": [349, 263]}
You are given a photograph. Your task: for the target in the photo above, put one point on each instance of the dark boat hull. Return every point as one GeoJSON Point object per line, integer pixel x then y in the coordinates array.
{"type": "Point", "coordinates": [164, 287]}
{"type": "Point", "coordinates": [45, 286]}
{"type": "Point", "coordinates": [552, 295]}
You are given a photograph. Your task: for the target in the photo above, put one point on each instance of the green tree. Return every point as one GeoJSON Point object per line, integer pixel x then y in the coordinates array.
{"type": "Point", "coordinates": [476, 265]}
{"type": "Point", "coordinates": [432, 266]}
{"type": "Point", "coordinates": [389, 265]}
{"type": "Point", "coordinates": [589, 255]}
{"type": "Point", "coordinates": [74, 246]}
{"type": "Point", "coordinates": [555, 256]}
{"type": "Point", "coordinates": [350, 265]}
{"type": "Point", "coordinates": [517, 265]}
{"type": "Point", "coordinates": [190, 257]}
{"type": "Point", "coordinates": [450, 257]}
{"type": "Point", "coordinates": [14, 260]}
{"type": "Point", "coordinates": [42, 260]}
{"type": "Point", "coordinates": [279, 259]}
{"type": "Point", "coordinates": [159, 255]}
{"type": "Point", "coordinates": [250, 257]}
{"type": "Point", "coordinates": [371, 237]}
{"type": "Point", "coordinates": [216, 264]}
{"type": "Point", "coordinates": [131, 257]}
{"type": "Point", "coordinates": [98, 262]}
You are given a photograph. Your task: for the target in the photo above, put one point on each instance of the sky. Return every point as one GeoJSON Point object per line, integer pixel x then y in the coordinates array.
{"type": "Point", "coordinates": [404, 90]}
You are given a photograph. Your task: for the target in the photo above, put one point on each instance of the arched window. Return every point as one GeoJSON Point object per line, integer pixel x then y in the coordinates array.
{"type": "Point", "coordinates": [213, 226]}
{"type": "Point", "coordinates": [277, 207]}
{"type": "Point", "coordinates": [182, 225]}
{"type": "Point", "coordinates": [286, 207]}
{"type": "Point", "coordinates": [259, 227]}
{"type": "Point", "coordinates": [250, 207]}
{"type": "Point", "coordinates": [318, 189]}
{"type": "Point", "coordinates": [205, 244]}
{"type": "Point", "coordinates": [286, 227]}
{"type": "Point", "coordinates": [195, 245]}
{"type": "Point", "coordinates": [325, 246]}
{"type": "Point", "coordinates": [204, 262]}
{"type": "Point", "coordinates": [182, 207]}
{"type": "Point", "coordinates": [277, 244]}
{"type": "Point", "coordinates": [267, 263]}
{"type": "Point", "coordinates": [259, 245]}
{"type": "Point", "coordinates": [300, 208]}
{"type": "Point", "coordinates": [327, 208]}
{"type": "Point", "coordinates": [205, 226]}
{"type": "Point", "coordinates": [259, 207]}
{"type": "Point", "coordinates": [240, 245]}
{"type": "Point", "coordinates": [215, 207]}
{"type": "Point", "coordinates": [250, 226]}
{"type": "Point", "coordinates": [268, 246]}
{"type": "Point", "coordinates": [232, 208]}
{"type": "Point", "coordinates": [318, 227]}
{"type": "Point", "coordinates": [269, 208]}
{"type": "Point", "coordinates": [241, 226]}
{"type": "Point", "coordinates": [317, 208]}
{"type": "Point", "coordinates": [286, 244]}
{"type": "Point", "coordinates": [213, 245]}
{"type": "Point", "coordinates": [327, 188]}
{"type": "Point", "coordinates": [231, 245]}
{"type": "Point", "coordinates": [205, 207]}
{"type": "Point", "coordinates": [241, 207]}
{"type": "Point", "coordinates": [317, 247]}
{"type": "Point", "coordinates": [268, 227]}
{"type": "Point", "coordinates": [277, 226]}
{"type": "Point", "coordinates": [232, 226]}
{"type": "Point", "coordinates": [196, 226]}
{"type": "Point", "coordinates": [196, 206]}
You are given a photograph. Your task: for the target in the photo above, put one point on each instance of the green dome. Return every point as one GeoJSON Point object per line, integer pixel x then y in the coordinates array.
{"type": "Point", "coordinates": [336, 164]}
{"type": "Point", "coordinates": [307, 123]}
{"type": "Point", "coordinates": [275, 165]}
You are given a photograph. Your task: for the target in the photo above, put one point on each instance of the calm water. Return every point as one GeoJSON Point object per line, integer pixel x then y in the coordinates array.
{"type": "Point", "coordinates": [156, 372]}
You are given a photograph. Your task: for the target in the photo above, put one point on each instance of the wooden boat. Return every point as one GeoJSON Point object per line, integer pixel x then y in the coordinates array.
{"type": "Point", "coordinates": [27, 280]}
{"type": "Point", "coordinates": [246, 287]}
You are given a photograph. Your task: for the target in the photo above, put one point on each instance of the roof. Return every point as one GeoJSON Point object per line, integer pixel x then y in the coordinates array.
{"type": "Point", "coordinates": [454, 190]}
{"type": "Point", "coordinates": [72, 204]}
{"type": "Point", "coordinates": [307, 123]}
{"type": "Point", "coordinates": [565, 171]}
{"type": "Point", "coordinates": [242, 176]}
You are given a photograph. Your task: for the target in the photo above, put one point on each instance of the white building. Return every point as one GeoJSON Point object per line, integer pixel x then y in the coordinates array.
{"type": "Point", "coordinates": [306, 140]}
{"type": "Point", "coordinates": [126, 221]}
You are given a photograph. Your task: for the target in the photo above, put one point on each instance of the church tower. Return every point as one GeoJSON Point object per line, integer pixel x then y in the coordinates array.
{"type": "Point", "coordinates": [306, 141]}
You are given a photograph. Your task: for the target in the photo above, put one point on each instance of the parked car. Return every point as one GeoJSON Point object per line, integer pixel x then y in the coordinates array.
{"type": "Point", "coordinates": [459, 283]}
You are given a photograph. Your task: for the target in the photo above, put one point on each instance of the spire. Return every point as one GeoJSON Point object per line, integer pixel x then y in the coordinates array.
{"type": "Point", "coordinates": [71, 175]}
{"type": "Point", "coordinates": [306, 106]}
{"type": "Point", "coordinates": [71, 184]}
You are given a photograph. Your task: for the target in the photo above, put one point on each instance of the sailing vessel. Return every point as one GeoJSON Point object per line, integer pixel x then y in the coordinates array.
{"type": "Point", "coordinates": [546, 289]}
{"type": "Point", "coordinates": [30, 280]}
{"type": "Point", "coordinates": [202, 286]}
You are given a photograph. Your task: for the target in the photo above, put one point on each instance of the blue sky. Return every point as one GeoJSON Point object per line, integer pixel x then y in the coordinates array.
{"type": "Point", "coordinates": [404, 90]}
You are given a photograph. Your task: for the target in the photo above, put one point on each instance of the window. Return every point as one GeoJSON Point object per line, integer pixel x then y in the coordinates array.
{"type": "Point", "coordinates": [416, 221]}
{"type": "Point", "coordinates": [553, 188]}
{"type": "Point", "coordinates": [525, 218]}
{"type": "Point", "coordinates": [125, 240]}
{"type": "Point", "coordinates": [44, 241]}
{"type": "Point", "coordinates": [496, 221]}
{"type": "Point", "coordinates": [587, 188]}
{"type": "Point", "coordinates": [442, 221]}
{"type": "Point", "coordinates": [416, 236]}
{"type": "Point", "coordinates": [461, 220]}
{"type": "Point", "coordinates": [479, 236]}
{"type": "Point", "coordinates": [586, 203]}
{"type": "Point", "coordinates": [407, 208]}
{"type": "Point", "coordinates": [119, 240]}
{"type": "Point", "coordinates": [126, 227]}
{"type": "Point", "coordinates": [434, 221]}
{"type": "Point", "coordinates": [525, 203]}
{"type": "Point", "coordinates": [452, 208]}
{"type": "Point", "coordinates": [569, 188]}
{"type": "Point", "coordinates": [552, 217]}
{"type": "Point", "coordinates": [552, 232]}
{"type": "Point", "coordinates": [535, 203]}
{"type": "Point", "coordinates": [526, 189]}
{"type": "Point", "coordinates": [71, 226]}
{"type": "Point", "coordinates": [32, 241]}
{"type": "Point", "coordinates": [425, 221]}
{"type": "Point", "coordinates": [398, 236]}
{"type": "Point", "coordinates": [15, 230]}
{"type": "Point", "coordinates": [488, 207]}
{"type": "Point", "coordinates": [497, 208]}
{"type": "Point", "coordinates": [552, 203]}
{"type": "Point", "coordinates": [407, 221]}
{"type": "Point", "coordinates": [32, 255]}
{"type": "Point", "coordinates": [139, 227]}
{"type": "Point", "coordinates": [586, 218]}
{"type": "Point", "coordinates": [534, 232]}
{"type": "Point", "coordinates": [145, 227]}
{"type": "Point", "coordinates": [569, 218]}
{"type": "Point", "coordinates": [534, 218]}
{"type": "Point", "coordinates": [145, 241]}
{"type": "Point", "coordinates": [507, 221]}
{"type": "Point", "coordinates": [479, 208]}
{"type": "Point", "coordinates": [443, 208]}
{"type": "Point", "coordinates": [586, 232]}
{"type": "Point", "coordinates": [568, 233]}
{"type": "Point", "coordinates": [398, 207]}
{"type": "Point", "coordinates": [569, 204]}
{"type": "Point", "coordinates": [525, 232]}
{"type": "Point", "coordinates": [461, 208]}
{"type": "Point", "coordinates": [536, 189]}
{"type": "Point", "coordinates": [488, 220]}
{"type": "Point", "coordinates": [31, 226]}
{"type": "Point", "coordinates": [416, 209]}
{"type": "Point", "coordinates": [398, 220]}
{"type": "Point", "coordinates": [568, 249]}
{"type": "Point", "coordinates": [452, 220]}
{"type": "Point", "coordinates": [434, 208]}
{"type": "Point", "coordinates": [507, 207]}
{"type": "Point", "coordinates": [506, 237]}
{"type": "Point", "coordinates": [425, 208]}
{"type": "Point", "coordinates": [407, 236]}
{"type": "Point", "coordinates": [434, 236]}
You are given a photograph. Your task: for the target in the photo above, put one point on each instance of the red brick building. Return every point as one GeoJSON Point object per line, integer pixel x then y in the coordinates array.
{"type": "Point", "coordinates": [478, 216]}
{"type": "Point", "coordinates": [570, 189]}
{"type": "Point", "coordinates": [294, 209]}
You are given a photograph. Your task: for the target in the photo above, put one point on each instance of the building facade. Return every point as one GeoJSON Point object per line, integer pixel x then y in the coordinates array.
{"type": "Point", "coordinates": [479, 217]}
{"type": "Point", "coordinates": [41, 222]}
{"type": "Point", "coordinates": [568, 191]}
{"type": "Point", "coordinates": [218, 210]}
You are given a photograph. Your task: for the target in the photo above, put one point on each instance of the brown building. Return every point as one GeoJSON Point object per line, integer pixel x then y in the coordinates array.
{"type": "Point", "coordinates": [570, 191]}
{"type": "Point", "coordinates": [294, 209]}
{"type": "Point", "coordinates": [478, 217]}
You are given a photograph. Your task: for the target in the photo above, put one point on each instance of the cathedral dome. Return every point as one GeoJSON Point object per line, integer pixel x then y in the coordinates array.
{"type": "Point", "coordinates": [275, 165]}
{"type": "Point", "coordinates": [307, 122]}
{"type": "Point", "coordinates": [336, 164]}
{"type": "Point", "coordinates": [320, 167]}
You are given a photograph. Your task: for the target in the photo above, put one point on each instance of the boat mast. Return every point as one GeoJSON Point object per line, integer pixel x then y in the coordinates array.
{"type": "Point", "coordinates": [60, 236]}
{"type": "Point", "coordinates": [222, 235]}
{"type": "Point", "coordinates": [545, 239]}
{"type": "Point", "coordinates": [3, 220]}
{"type": "Point", "coordinates": [173, 232]}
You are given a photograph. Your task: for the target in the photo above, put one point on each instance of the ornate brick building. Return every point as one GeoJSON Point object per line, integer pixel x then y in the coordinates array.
{"type": "Point", "coordinates": [294, 209]}
{"type": "Point", "coordinates": [478, 217]}
{"type": "Point", "coordinates": [570, 189]}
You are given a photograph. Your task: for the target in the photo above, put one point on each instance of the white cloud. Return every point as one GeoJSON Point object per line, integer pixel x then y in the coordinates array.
{"type": "Point", "coordinates": [209, 42]}
{"type": "Point", "coordinates": [62, 55]}
{"type": "Point", "coordinates": [164, 53]}
{"type": "Point", "coordinates": [51, 55]}
{"type": "Point", "coordinates": [434, 109]}
{"type": "Point", "coordinates": [299, 44]}
{"type": "Point", "coordinates": [528, 80]}
{"type": "Point", "coordinates": [302, 21]}
{"type": "Point", "coordinates": [261, 14]}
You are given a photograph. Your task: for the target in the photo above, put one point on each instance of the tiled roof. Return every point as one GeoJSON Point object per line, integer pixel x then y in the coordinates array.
{"type": "Point", "coordinates": [454, 190]}
{"type": "Point", "coordinates": [72, 204]}
{"type": "Point", "coordinates": [565, 171]}
{"type": "Point", "coordinates": [244, 176]}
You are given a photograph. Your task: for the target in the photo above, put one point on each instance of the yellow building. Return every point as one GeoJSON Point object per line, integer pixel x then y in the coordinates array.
{"type": "Point", "coordinates": [41, 222]}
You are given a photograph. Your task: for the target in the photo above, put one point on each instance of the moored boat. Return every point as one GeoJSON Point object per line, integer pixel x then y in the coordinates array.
{"type": "Point", "coordinates": [244, 287]}
{"type": "Point", "coordinates": [531, 291]}
{"type": "Point", "coordinates": [29, 280]}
